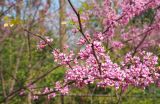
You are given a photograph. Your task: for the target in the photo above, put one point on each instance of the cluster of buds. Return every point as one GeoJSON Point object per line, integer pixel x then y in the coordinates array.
{"type": "Point", "coordinates": [43, 43]}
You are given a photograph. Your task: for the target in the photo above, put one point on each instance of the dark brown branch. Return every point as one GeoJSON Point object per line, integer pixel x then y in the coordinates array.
{"type": "Point", "coordinates": [79, 21]}
{"type": "Point", "coordinates": [94, 54]}
{"type": "Point", "coordinates": [81, 30]}
{"type": "Point", "coordinates": [3, 13]}
{"type": "Point", "coordinates": [140, 43]}
{"type": "Point", "coordinates": [38, 37]}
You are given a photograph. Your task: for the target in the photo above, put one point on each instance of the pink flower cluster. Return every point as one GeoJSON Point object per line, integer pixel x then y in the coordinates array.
{"type": "Point", "coordinates": [138, 71]}
{"type": "Point", "coordinates": [62, 58]}
{"type": "Point", "coordinates": [128, 9]}
{"type": "Point", "coordinates": [43, 43]}
{"type": "Point", "coordinates": [62, 89]}
{"type": "Point", "coordinates": [49, 92]}
{"type": "Point", "coordinates": [117, 44]}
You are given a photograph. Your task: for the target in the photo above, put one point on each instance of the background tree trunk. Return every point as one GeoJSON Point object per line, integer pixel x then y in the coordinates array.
{"type": "Point", "coordinates": [62, 30]}
{"type": "Point", "coordinates": [62, 25]}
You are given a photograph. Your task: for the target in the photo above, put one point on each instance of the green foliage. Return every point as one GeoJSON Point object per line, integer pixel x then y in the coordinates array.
{"type": "Point", "coordinates": [144, 18]}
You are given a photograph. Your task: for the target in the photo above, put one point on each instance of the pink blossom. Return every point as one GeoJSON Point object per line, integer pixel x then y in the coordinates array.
{"type": "Point", "coordinates": [52, 95]}
{"type": "Point", "coordinates": [62, 89]}
{"type": "Point", "coordinates": [43, 43]}
{"type": "Point", "coordinates": [35, 97]}
{"type": "Point", "coordinates": [117, 45]}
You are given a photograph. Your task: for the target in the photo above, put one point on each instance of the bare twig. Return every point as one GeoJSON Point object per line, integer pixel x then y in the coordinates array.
{"type": "Point", "coordinates": [79, 21]}
{"type": "Point", "coordinates": [38, 37]}
{"type": "Point", "coordinates": [3, 13]}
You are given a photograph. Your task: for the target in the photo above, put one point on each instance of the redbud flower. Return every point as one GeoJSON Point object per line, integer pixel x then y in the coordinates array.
{"type": "Point", "coordinates": [43, 43]}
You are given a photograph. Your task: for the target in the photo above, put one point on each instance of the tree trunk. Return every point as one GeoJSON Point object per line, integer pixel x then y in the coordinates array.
{"type": "Point", "coordinates": [62, 25]}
